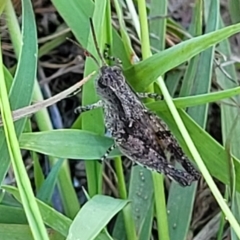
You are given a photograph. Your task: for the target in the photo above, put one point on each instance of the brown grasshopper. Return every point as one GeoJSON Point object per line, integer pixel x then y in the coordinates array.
{"type": "Point", "coordinates": [138, 133]}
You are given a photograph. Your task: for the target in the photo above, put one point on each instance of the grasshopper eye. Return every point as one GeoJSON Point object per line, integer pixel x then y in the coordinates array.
{"type": "Point", "coordinates": [101, 82]}
{"type": "Point", "coordinates": [102, 85]}
{"type": "Point", "coordinates": [117, 71]}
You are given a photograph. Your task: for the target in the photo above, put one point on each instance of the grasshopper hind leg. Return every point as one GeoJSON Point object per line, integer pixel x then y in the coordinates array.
{"type": "Point", "coordinates": [182, 177]}
{"type": "Point", "coordinates": [178, 154]}
{"type": "Point", "coordinates": [170, 145]}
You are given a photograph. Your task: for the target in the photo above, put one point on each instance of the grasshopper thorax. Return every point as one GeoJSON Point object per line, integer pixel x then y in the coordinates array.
{"type": "Point", "coordinates": [110, 80]}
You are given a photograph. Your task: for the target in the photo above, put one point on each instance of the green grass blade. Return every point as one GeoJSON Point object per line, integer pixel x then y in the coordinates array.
{"type": "Point", "coordinates": [31, 209]}
{"type": "Point", "coordinates": [94, 216]}
{"type": "Point", "coordinates": [204, 75]}
{"type": "Point", "coordinates": [51, 217]}
{"type": "Point", "coordinates": [93, 169]}
{"type": "Point", "coordinates": [195, 29]}
{"type": "Point", "coordinates": [199, 161]}
{"type": "Point", "coordinates": [124, 34]}
{"type": "Point", "coordinates": [199, 84]}
{"type": "Point", "coordinates": [19, 87]}
{"type": "Point", "coordinates": [127, 213]}
{"type": "Point", "coordinates": [67, 192]}
{"type": "Point", "coordinates": [179, 217]}
{"type": "Point", "coordinates": [12, 214]}
{"type": "Point", "coordinates": [233, 6]}
{"type": "Point", "coordinates": [76, 14]}
{"type": "Point", "coordinates": [192, 101]}
{"type": "Point", "coordinates": [45, 192]}
{"type": "Point", "coordinates": [147, 71]}
{"type": "Point", "coordinates": [157, 27]}
{"type": "Point", "coordinates": [67, 143]}
{"type": "Point", "coordinates": [141, 197]}
{"type": "Point", "coordinates": [68, 195]}
{"type": "Point", "coordinates": [230, 127]}
{"type": "Point", "coordinates": [22, 232]}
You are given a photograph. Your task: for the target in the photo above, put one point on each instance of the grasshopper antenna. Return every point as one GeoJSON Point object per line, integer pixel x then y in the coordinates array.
{"type": "Point", "coordinates": [86, 53]}
{"type": "Point", "coordinates": [95, 42]}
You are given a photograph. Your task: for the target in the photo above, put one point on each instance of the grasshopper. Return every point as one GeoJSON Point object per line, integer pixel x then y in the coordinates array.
{"type": "Point", "coordinates": [138, 133]}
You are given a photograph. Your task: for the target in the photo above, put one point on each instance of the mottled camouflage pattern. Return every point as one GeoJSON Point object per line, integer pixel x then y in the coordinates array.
{"type": "Point", "coordinates": [140, 134]}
